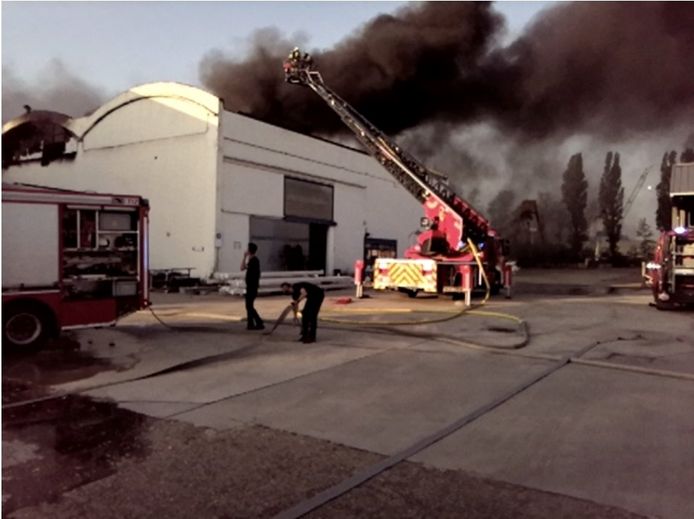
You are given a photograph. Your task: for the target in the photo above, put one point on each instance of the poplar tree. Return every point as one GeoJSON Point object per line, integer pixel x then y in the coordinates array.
{"type": "Point", "coordinates": [574, 190]}
{"type": "Point", "coordinates": [611, 200]}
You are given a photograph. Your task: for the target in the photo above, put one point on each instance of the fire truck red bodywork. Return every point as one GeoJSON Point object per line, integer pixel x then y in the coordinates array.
{"type": "Point", "coordinates": [453, 223]}
{"type": "Point", "coordinates": [70, 259]}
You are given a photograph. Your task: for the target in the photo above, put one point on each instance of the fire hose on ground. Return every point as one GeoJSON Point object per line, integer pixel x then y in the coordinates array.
{"type": "Point", "coordinates": [448, 316]}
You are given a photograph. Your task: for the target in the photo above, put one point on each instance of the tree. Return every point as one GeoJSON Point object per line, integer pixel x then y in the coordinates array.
{"type": "Point", "coordinates": [687, 155]}
{"type": "Point", "coordinates": [663, 214]}
{"type": "Point", "coordinates": [647, 244]}
{"type": "Point", "coordinates": [611, 200]}
{"type": "Point", "coordinates": [574, 190]}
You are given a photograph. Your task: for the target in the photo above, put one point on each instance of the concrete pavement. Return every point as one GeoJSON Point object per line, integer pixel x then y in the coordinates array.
{"type": "Point", "coordinates": [615, 437]}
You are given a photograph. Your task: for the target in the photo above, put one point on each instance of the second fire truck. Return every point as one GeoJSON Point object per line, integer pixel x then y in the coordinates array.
{"type": "Point", "coordinates": [70, 259]}
{"type": "Point", "coordinates": [671, 273]}
{"type": "Point", "coordinates": [457, 241]}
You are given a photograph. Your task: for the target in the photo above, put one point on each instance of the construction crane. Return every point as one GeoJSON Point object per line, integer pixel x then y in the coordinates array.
{"type": "Point", "coordinates": [627, 206]}
{"type": "Point", "coordinates": [634, 192]}
{"type": "Point", "coordinates": [453, 221]}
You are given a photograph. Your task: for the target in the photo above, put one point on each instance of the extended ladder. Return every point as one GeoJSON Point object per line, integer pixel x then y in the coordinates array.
{"type": "Point", "coordinates": [407, 170]}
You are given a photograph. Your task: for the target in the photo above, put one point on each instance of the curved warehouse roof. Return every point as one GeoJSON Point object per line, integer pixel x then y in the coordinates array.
{"type": "Point", "coordinates": [163, 91]}
{"type": "Point", "coordinates": [28, 135]}
{"type": "Point", "coordinates": [81, 125]}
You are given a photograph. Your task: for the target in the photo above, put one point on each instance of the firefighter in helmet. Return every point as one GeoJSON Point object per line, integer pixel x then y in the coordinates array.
{"type": "Point", "coordinates": [291, 65]}
{"type": "Point", "coordinates": [308, 60]}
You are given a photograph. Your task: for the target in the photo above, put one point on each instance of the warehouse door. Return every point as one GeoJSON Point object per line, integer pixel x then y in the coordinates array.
{"type": "Point", "coordinates": [282, 245]}
{"type": "Point", "coordinates": [311, 205]}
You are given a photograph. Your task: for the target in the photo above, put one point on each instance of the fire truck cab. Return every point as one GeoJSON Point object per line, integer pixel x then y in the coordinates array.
{"type": "Point", "coordinates": [671, 273]}
{"type": "Point", "coordinates": [69, 259]}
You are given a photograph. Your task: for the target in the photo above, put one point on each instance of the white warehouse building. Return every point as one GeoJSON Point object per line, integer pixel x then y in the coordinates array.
{"type": "Point", "coordinates": [217, 180]}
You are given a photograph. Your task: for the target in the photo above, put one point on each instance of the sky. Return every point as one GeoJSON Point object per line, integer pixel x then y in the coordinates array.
{"type": "Point", "coordinates": [115, 45]}
{"type": "Point", "coordinates": [105, 48]}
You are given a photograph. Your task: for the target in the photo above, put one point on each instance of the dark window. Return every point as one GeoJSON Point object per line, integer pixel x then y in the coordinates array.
{"type": "Point", "coordinates": [308, 200]}
{"type": "Point", "coordinates": [117, 221]}
{"type": "Point", "coordinates": [70, 229]}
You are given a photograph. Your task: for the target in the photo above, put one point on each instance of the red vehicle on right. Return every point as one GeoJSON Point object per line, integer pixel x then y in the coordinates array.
{"type": "Point", "coordinates": [671, 272]}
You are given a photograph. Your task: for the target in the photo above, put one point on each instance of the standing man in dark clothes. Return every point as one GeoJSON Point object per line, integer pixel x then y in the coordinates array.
{"type": "Point", "coordinates": [251, 265]}
{"type": "Point", "coordinates": [309, 316]}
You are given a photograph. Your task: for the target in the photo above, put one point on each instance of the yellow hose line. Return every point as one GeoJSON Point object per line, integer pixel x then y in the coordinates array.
{"type": "Point", "coordinates": [476, 255]}
{"type": "Point", "coordinates": [449, 316]}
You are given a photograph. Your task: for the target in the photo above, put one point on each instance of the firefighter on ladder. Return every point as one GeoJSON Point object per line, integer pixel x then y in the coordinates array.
{"type": "Point", "coordinates": [291, 65]}
{"type": "Point", "coordinates": [294, 62]}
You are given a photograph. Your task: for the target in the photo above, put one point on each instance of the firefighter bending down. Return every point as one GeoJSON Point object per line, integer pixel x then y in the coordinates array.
{"type": "Point", "coordinates": [309, 316]}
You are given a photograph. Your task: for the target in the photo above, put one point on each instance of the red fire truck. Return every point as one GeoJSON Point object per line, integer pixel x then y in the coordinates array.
{"type": "Point", "coordinates": [671, 273]}
{"type": "Point", "coordinates": [444, 259]}
{"type": "Point", "coordinates": [69, 259]}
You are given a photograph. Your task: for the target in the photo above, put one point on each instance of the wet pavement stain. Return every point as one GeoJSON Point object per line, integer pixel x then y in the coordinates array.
{"type": "Point", "coordinates": [27, 376]}
{"type": "Point", "coordinates": [67, 442]}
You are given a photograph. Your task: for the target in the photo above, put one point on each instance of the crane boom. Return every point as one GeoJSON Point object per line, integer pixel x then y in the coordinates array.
{"type": "Point", "coordinates": [425, 185]}
{"type": "Point", "coordinates": [639, 184]}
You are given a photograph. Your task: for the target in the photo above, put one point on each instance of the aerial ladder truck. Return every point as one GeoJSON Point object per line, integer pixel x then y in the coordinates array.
{"type": "Point", "coordinates": [459, 252]}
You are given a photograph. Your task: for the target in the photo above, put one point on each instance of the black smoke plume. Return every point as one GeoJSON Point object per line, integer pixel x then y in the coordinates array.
{"type": "Point", "coordinates": [395, 69]}
{"type": "Point", "coordinates": [604, 68]}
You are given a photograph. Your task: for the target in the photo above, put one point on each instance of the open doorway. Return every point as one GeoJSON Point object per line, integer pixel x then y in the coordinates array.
{"type": "Point", "coordinates": [317, 246]}
{"type": "Point", "coordinates": [285, 245]}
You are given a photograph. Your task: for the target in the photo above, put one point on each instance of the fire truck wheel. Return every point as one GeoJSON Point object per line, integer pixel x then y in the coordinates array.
{"type": "Point", "coordinates": [25, 327]}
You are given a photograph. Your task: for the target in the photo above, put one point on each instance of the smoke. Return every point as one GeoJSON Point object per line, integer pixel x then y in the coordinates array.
{"type": "Point", "coordinates": [583, 77]}
{"type": "Point", "coordinates": [609, 69]}
{"type": "Point", "coordinates": [56, 88]}
{"type": "Point", "coordinates": [396, 70]}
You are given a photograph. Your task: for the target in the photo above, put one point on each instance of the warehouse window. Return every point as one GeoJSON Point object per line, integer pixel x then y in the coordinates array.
{"type": "Point", "coordinates": [287, 245]}
{"type": "Point", "coordinates": [282, 245]}
{"type": "Point", "coordinates": [309, 201]}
